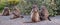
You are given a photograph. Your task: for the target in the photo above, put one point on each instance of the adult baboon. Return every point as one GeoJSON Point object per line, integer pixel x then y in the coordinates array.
{"type": "Point", "coordinates": [6, 11]}
{"type": "Point", "coordinates": [44, 14]}
{"type": "Point", "coordinates": [35, 14]}
{"type": "Point", "coordinates": [16, 13]}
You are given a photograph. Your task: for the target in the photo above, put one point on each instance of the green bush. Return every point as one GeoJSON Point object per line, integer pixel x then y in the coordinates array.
{"type": "Point", "coordinates": [12, 2]}
{"type": "Point", "coordinates": [51, 6]}
{"type": "Point", "coordinates": [2, 5]}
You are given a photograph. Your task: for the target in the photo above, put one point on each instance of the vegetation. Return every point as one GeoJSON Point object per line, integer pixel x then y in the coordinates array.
{"type": "Point", "coordinates": [25, 6]}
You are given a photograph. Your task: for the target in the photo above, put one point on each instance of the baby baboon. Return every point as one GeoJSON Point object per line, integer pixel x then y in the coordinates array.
{"type": "Point", "coordinates": [6, 11]}
{"type": "Point", "coordinates": [44, 14]}
{"type": "Point", "coordinates": [16, 13]}
{"type": "Point", "coordinates": [35, 14]}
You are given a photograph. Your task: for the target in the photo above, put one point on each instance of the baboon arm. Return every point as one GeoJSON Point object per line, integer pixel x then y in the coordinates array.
{"type": "Point", "coordinates": [9, 11]}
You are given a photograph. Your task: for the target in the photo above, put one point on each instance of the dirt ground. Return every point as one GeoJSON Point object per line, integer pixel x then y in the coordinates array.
{"type": "Point", "coordinates": [5, 20]}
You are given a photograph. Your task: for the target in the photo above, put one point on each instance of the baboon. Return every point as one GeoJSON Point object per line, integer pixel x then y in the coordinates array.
{"type": "Point", "coordinates": [35, 14]}
{"type": "Point", "coordinates": [6, 11]}
{"type": "Point", "coordinates": [44, 14]}
{"type": "Point", "coordinates": [16, 13]}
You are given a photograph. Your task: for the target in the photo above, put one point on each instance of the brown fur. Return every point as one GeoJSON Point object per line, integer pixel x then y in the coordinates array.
{"type": "Point", "coordinates": [6, 11]}
{"type": "Point", "coordinates": [35, 14]}
{"type": "Point", "coordinates": [16, 13]}
{"type": "Point", "coordinates": [44, 14]}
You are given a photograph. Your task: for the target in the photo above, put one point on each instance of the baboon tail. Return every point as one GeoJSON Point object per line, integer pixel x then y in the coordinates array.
{"type": "Point", "coordinates": [49, 19]}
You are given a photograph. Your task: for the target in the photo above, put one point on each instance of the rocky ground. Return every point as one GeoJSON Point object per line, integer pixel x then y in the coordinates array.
{"type": "Point", "coordinates": [5, 20]}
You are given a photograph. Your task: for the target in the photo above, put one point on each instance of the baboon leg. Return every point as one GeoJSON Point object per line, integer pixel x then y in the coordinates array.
{"type": "Point", "coordinates": [41, 18]}
{"type": "Point", "coordinates": [33, 20]}
{"type": "Point", "coordinates": [47, 18]}
{"type": "Point", "coordinates": [14, 17]}
{"type": "Point", "coordinates": [18, 16]}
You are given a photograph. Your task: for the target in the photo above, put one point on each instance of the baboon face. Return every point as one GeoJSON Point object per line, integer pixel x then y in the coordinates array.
{"type": "Point", "coordinates": [35, 8]}
{"type": "Point", "coordinates": [6, 11]}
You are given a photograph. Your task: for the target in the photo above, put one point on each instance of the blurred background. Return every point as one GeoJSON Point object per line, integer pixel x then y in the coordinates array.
{"type": "Point", "coordinates": [25, 6]}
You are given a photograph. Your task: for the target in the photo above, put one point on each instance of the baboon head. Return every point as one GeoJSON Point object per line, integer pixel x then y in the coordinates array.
{"type": "Point", "coordinates": [35, 8]}
{"type": "Point", "coordinates": [6, 11]}
{"type": "Point", "coordinates": [6, 8]}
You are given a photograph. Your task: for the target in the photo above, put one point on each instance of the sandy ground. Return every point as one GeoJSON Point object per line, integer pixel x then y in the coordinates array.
{"type": "Point", "coordinates": [5, 20]}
